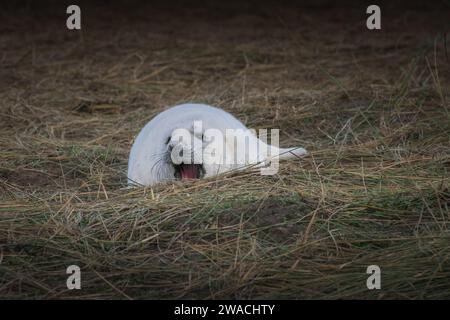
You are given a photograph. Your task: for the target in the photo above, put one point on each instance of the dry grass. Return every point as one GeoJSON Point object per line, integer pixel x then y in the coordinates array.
{"type": "Point", "coordinates": [372, 107]}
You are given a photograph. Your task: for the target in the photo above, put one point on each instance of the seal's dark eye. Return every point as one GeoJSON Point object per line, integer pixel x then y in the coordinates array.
{"type": "Point", "coordinates": [203, 136]}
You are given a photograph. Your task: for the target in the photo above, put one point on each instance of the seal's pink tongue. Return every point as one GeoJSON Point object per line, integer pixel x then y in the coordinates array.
{"type": "Point", "coordinates": [188, 171]}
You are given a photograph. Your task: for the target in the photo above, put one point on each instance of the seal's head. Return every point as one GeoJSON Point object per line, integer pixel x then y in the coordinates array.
{"type": "Point", "coordinates": [173, 144]}
{"type": "Point", "coordinates": [184, 152]}
{"type": "Point", "coordinates": [185, 148]}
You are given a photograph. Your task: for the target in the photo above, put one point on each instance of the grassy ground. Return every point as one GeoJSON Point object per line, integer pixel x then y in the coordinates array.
{"type": "Point", "coordinates": [372, 107]}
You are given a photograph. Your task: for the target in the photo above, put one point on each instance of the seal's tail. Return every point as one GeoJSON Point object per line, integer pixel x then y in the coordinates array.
{"type": "Point", "coordinates": [290, 153]}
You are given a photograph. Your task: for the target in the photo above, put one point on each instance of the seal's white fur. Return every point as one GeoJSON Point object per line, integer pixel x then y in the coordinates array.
{"type": "Point", "coordinates": [150, 160]}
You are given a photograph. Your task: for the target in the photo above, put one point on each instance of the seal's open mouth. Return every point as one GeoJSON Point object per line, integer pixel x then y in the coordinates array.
{"type": "Point", "coordinates": [189, 171]}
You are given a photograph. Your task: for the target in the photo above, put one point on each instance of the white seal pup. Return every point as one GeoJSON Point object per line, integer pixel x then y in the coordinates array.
{"type": "Point", "coordinates": [192, 141]}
